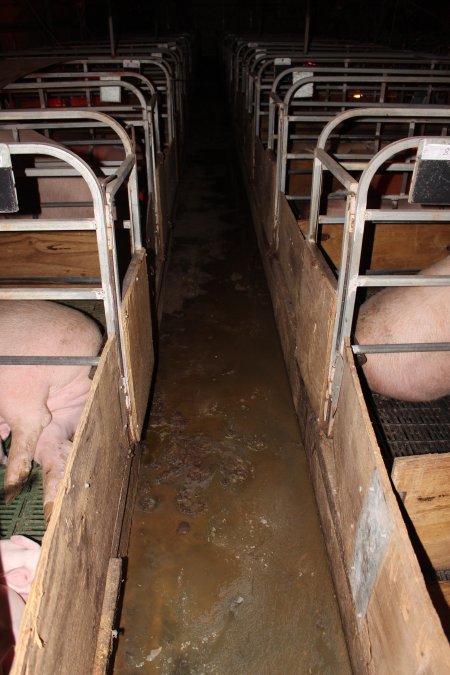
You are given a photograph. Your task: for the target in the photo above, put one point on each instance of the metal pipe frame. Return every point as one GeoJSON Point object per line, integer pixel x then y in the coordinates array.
{"type": "Point", "coordinates": [120, 112]}
{"type": "Point", "coordinates": [274, 86]}
{"type": "Point", "coordinates": [284, 119]}
{"type": "Point", "coordinates": [388, 116]}
{"type": "Point", "coordinates": [350, 278]}
{"type": "Point", "coordinates": [109, 291]}
{"type": "Point", "coordinates": [27, 119]}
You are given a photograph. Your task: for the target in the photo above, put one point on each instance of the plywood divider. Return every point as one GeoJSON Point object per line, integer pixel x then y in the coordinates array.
{"type": "Point", "coordinates": [423, 483]}
{"type": "Point", "coordinates": [63, 253]}
{"type": "Point", "coordinates": [139, 353]}
{"type": "Point", "coordinates": [312, 290]}
{"type": "Point", "coordinates": [395, 245]}
{"type": "Point", "coordinates": [105, 636]}
{"type": "Point", "coordinates": [387, 586]}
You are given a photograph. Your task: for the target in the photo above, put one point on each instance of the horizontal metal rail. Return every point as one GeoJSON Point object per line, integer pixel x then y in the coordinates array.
{"type": "Point", "coordinates": [49, 360]}
{"type": "Point", "coordinates": [52, 293]}
{"type": "Point", "coordinates": [401, 347]}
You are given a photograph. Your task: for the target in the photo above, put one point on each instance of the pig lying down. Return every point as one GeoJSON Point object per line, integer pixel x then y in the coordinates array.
{"type": "Point", "coordinates": [41, 405]}
{"type": "Point", "coordinates": [18, 560]}
{"type": "Point", "coordinates": [408, 314]}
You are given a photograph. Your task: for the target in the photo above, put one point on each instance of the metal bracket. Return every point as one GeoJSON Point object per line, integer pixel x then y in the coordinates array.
{"type": "Point", "coordinates": [334, 389]}
{"type": "Point", "coordinates": [8, 194]}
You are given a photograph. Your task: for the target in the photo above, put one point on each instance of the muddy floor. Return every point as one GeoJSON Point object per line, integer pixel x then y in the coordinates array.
{"type": "Point", "coordinates": [227, 569]}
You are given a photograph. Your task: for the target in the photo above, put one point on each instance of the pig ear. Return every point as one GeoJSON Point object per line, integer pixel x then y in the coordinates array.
{"type": "Point", "coordinates": [24, 542]}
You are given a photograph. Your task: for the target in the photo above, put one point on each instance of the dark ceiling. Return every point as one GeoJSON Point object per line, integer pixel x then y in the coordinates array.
{"type": "Point", "coordinates": [396, 23]}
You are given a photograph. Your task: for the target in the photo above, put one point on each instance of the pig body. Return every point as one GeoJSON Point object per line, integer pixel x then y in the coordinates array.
{"type": "Point", "coordinates": [41, 405]}
{"type": "Point", "coordinates": [405, 315]}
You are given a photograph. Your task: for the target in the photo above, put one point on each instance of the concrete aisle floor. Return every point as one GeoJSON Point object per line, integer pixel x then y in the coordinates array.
{"type": "Point", "coordinates": [227, 567]}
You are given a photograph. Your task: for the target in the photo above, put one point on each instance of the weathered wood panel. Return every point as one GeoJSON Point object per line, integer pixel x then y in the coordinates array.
{"type": "Point", "coordinates": [166, 184]}
{"type": "Point", "coordinates": [265, 182]}
{"type": "Point", "coordinates": [138, 339]}
{"type": "Point", "coordinates": [109, 610]}
{"type": "Point", "coordinates": [49, 254]}
{"type": "Point", "coordinates": [315, 311]}
{"type": "Point", "coordinates": [392, 605]}
{"type": "Point", "coordinates": [62, 616]}
{"type": "Point", "coordinates": [320, 455]}
{"type": "Point", "coordinates": [395, 245]}
{"type": "Point", "coordinates": [423, 483]}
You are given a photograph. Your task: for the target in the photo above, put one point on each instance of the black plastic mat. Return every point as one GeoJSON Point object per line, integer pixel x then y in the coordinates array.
{"type": "Point", "coordinates": [404, 428]}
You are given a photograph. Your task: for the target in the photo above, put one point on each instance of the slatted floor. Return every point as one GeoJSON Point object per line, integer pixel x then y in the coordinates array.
{"type": "Point", "coordinates": [25, 514]}
{"type": "Point", "coordinates": [405, 428]}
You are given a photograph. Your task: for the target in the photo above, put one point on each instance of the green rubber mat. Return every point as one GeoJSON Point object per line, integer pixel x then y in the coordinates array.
{"type": "Point", "coordinates": [25, 514]}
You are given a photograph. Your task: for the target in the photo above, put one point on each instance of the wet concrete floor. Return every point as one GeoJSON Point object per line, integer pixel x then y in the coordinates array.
{"type": "Point", "coordinates": [227, 568]}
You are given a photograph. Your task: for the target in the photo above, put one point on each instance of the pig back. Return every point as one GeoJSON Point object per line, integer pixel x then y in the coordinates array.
{"type": "Point", "coordinates": [407, 315]}
{"type": "Point", "coordinates": [43, 328]}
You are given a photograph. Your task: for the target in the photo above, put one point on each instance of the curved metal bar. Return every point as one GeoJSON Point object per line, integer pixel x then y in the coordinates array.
{"type": "Point", "coordinates": [351, 256]}
{"type": "Point", "coordinates": [370, 114]}
{"type": "Point", "coordinates": [104, 238]}
{"type": "Point", "coordinates": [103, 118]}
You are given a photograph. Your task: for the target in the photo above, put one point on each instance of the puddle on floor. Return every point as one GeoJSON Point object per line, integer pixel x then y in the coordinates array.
{"type": "Point", "coordinates": [227, 570]}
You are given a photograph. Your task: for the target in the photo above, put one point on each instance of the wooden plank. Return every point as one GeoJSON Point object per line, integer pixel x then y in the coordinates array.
{"type": "Point", "coordinates": [318, 447]}
{"type": "Point", "coordinates": [423, 483]}
{"type": "Point", "coordinates": [105, 634]}
{"type": "Point", "coordinates": [445, 590]}
{"type": "Point", "coordinates": [166, 186]}
{"type": "Point", "coordinates": [265, 190]}
{"type": "Point", "coordinates": [395, 245]}
{"type": "Point", "coordinates": [138, 339]}
{"type": "Point", "coordinates": [440, 595]}
{"type": "Point", "coordinates": [315, 309]}
{"type": "Point", "coordinates": [397, 618]}
{"type": "Point", "coordinates": [49, 254]}
{"type": "Point", "coordinates": [62, 616]}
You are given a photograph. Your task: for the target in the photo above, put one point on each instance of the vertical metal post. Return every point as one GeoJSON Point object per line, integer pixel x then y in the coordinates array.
{"type": "Point", "coordinates": [307, 26]}
{"type": "Point", "coordinates": [111, 30]}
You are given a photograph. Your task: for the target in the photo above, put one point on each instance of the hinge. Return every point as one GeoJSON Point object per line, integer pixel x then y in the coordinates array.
{"type": "Point", "coordinates": [125, 404]}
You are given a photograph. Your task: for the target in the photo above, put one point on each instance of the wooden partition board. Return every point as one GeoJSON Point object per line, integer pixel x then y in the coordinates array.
{"type": "Point", "coordinates": [265, 182]}
{"type": "Point", "coordinates": [423, 484]}
{"type": "Point", "coordinates": [303, 291]}
{"type": "Point", "coordinates": [390, 623]}
{"type": "Point", "coordinates": [166, 195]}
{"type": "Point", "coordinates": [244, 131]}
{"type": "Point", "coordinates": [320, 455]}
{"type": "Point", "coordinates": [238, 116]}
{"type": "Point", "coordinates": [59, 254]}
{"type": "Point", "coordinates": [62, 616]}
{"type": "Point", "coordinates": [314, 295]}
{"type": "Point", "coordinates": [395, 245]}
{"type": "Point", "coordinates": [166, 185]}
{"type": "Point", "coordinates": [138, 338]}
{"type": "Point", "coordinates": [393, 611]}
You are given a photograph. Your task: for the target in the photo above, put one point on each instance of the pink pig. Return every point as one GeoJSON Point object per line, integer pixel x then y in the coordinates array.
{"type": "Point", "coordinates": [42, 405]}
{"type": "Point", "coordinates": [18, 560]}
{"type": "Point", "coordinates": [408, 314]}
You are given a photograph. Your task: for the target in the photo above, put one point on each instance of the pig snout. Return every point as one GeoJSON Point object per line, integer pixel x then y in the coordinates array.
{"type": "Point", "coordinates": [408, 315]}
{"type": "Point", "coordinates": [42, 404]}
